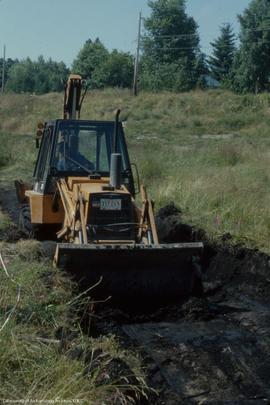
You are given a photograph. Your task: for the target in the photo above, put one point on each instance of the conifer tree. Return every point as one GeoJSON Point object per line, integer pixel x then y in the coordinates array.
{"type": "Point", "coordinates": [251, 70]}
{"type": "Point", "coordinates": [221, 61]}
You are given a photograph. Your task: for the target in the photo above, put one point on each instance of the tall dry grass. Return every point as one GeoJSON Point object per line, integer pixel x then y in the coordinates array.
{"type": "Point", "coordinates": [207, 151]}
{"type": "Point", "coordinates": [44, 356]}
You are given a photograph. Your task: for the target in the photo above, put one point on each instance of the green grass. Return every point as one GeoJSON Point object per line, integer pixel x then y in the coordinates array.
{"type": "Point", "coordinates": [17, 158]}
{"type": "Point", "coordinates": [209, 152]}
{"type": "Point", "coordinates": [5, 223]}
{"type": "Point", "coordinates": [36, 362]}
{"type": "Point", "coordinates": [206, 151]}
{"type": "Point", "coordinates": [220, 186]}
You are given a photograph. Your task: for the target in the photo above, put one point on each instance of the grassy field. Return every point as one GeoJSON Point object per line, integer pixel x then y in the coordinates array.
{"type": "Point", "coordinates": [206, 151]}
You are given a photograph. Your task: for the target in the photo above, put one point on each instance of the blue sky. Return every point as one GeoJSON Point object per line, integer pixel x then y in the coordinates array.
{"type": "Point", "coordinates": [59, 28]}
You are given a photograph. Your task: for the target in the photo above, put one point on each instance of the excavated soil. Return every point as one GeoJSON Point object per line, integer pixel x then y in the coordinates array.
{"type": "Point", "coordinates": [213, 349]}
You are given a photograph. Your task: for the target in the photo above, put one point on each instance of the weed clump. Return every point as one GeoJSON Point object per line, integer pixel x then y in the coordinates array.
{"type": "Point", "coordinates": [44, 354]}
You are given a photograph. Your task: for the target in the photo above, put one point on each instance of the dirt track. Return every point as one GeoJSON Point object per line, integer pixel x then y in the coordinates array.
{"type": "Point", "coordinates": [211, 350]}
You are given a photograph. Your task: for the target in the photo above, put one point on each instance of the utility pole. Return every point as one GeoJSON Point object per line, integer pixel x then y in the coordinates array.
{"type": "Point", "coordinates": [3, 69]}
{"type": "Point", "coordinates": [137, 59]}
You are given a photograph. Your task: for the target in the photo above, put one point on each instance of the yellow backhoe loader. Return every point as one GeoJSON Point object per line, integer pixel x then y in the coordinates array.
{"type": "Point", "coordinates": [83, 196]}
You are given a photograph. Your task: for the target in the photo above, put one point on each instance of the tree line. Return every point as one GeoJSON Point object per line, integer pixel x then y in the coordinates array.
{"type": "Point", "coordinates": [171, 57]}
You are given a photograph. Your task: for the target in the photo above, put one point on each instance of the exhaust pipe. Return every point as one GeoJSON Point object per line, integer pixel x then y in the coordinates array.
{"type": "Point", "coordinates": [115, 170]}
{"type": "Point", "coordinates": [116, 129]}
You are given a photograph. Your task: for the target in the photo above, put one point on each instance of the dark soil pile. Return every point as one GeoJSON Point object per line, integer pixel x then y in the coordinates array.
{"type": "Point", "coordinates": [214, 349]}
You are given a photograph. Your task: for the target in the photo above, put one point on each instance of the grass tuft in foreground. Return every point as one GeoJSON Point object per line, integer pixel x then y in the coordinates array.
{"type": "Point", "coordinates": [43, 353]}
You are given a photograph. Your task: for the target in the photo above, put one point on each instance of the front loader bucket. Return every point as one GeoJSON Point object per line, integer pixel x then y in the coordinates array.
{"type": "Point", "coordinates": [133, 273]}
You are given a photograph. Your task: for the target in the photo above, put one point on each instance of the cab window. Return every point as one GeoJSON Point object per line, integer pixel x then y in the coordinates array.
{"type": "Point", "coordinates": [43, 162]}
{"type": "Point", "coordinates": [85, 147]}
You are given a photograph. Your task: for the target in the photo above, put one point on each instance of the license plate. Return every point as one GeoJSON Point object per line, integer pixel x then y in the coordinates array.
{"type": "Point", "coordinates": [110, 205]}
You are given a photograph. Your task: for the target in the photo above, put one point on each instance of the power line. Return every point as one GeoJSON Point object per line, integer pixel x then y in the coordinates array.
{"type": "Point", "coordinates": [171, 49]}
{"type": "Point", "coordinates": [191, 47]}
{"type": "Point", "coordinates": [179, 36]}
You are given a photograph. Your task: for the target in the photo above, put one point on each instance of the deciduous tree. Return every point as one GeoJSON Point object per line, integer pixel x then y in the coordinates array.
{"type": "Point", "coordinates": [171, 45]}
{"type": "Point", "coordinates": [119, 69]}
{"type": "Point", "coordinates": [90, 62]}
{"type": "Point", "coordinates": [36, 76]}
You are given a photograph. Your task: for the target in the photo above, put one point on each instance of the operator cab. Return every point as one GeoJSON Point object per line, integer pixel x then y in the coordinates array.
{"type": "Point", "coordinates": [79, 148]}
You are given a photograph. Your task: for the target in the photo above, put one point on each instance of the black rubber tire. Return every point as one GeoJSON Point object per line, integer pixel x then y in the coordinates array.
{"type": "Point", "coordinates": [25, 224]}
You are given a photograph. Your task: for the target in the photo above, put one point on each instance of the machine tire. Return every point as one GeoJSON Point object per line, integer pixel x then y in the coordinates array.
{"type": "Point", "coordinates": [25, 224]}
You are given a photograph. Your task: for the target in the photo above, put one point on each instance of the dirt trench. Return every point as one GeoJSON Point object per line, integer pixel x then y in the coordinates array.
{"type": "Point", "coordinates": [213, 349]}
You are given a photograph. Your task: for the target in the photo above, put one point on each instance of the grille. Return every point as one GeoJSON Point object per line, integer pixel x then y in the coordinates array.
{"type": "Point", "coordinates": [111, 224]}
